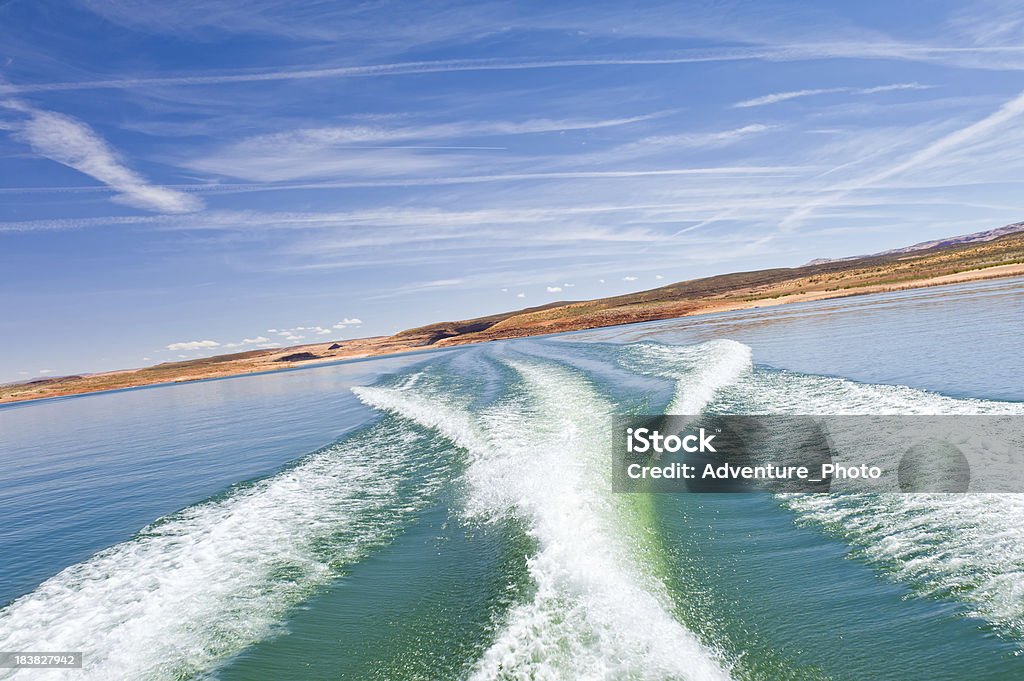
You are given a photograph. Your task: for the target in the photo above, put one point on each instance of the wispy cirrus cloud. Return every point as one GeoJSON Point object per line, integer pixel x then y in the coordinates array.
{"type": "Point", "coordinates": [418, 218]}
{"type": "Point", "coordinates": [377, 150]}
{"type": "Point", "coordinates": [424, 181]}
{"type": "Point", "coordinates": [990, 22]}
{"type": "Point", "coordinates": [930, 153]}
{"type": "Point", "coordinates": [657, 146]}
{"type": "Point", "coordinates": [362, 134]}
{"type": "Point", "coordinates": [1002, 58]}
{"type": "Point", "coordinates": [214, 217]}
{"type": "Point", "coordinates": [708, 139]}
{"type": "Point", "coordinates": [72, 143]}
{"type": "Point", "coordinates": [390, 69]}
{"type": "Point", "coordinates": [777, 97]}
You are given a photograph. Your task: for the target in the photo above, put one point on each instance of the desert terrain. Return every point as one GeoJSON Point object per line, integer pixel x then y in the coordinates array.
{"type": "Point", "coordinates": [984, 255]}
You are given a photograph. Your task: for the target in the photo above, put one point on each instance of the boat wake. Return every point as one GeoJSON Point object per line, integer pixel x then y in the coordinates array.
{"type": "Point", "coordinates": [523, 433]}
{"type": "Point", "coordinates": [598, 611]}
{"type": "Point", "coordinates": [199, 586]}
{"type": "Point", "coordinates": [964, 547]}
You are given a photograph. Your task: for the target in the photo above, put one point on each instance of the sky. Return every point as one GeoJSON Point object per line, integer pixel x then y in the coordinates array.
{"type": "Point", "coordinates": [181, 179]}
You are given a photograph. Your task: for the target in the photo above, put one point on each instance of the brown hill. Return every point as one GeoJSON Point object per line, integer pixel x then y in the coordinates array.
{"type": "Point", "coordinates": [941, 264]}
{"type": "Point", "coordinates": [948, 261]}
{"type": "Point", "coordinates": [434, 333]}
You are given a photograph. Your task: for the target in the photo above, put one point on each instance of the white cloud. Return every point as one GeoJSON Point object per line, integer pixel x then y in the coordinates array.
{"type": "Point", "coordinates": [247, 341]}
{"type": "Point", "coordinates": [554, 289]}
{"type": "Point", "coordinates": [290, 220]}
{"type": "Point", "coordinates": [46, 371]}
{"type": "Point", "coordinates": [194, 345]}
{"type": "Point", "coordinates": [984, 56]}
{"type": "Point", "coordinates": [794, 94]}
{"type": "Point", "coordinates": [72, 143]}
{"type": "Point", "coordinates": [520, 295]}
{"type": "Point", "coordinates": [421, 67]}
{"type": "Point", "coordinates": [718, 138]}
{"type": "Point", "coordinates": [658, 276]}
{"type": "Point", "coordinates": [784, 96]}
{"type": "Point", "coordinates": [354, 321]}
{"type": "Point", "coordinates": [629, 278]}
{"type": "Point", "coordinates": [317, 138]}
{"type": "Point", "coordinates": [939, 149]}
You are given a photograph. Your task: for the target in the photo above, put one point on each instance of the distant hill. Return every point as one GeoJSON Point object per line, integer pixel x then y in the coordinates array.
{"type": "Point", "coordinates": [976, 237]}
{"type": "Point", "coordinates": [949, 261]}
{"type": "Point", "coordinates": [982, 255]}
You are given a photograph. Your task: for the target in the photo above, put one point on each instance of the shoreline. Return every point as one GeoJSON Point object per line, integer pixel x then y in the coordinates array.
{"type": "Point", "coordinates": [965, 277]}
{"type": "Point", "coordinates": [269, 361]}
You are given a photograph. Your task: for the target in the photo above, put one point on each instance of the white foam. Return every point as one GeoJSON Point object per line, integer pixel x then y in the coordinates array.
{"type": "Point", "coordinates": [597, 612]}
{"type": "Point", "coordinates": [432, 412]}
{"type": "Point", "coordinates": [968, 547]}
{"type": "Point", "coordinates": [784, 392]}
{"type": "Point", "coordinates": [202, 584]}
{"type": "Point", "coordinates": [700, 370]}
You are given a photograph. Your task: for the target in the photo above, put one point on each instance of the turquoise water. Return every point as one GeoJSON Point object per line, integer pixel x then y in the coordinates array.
{"type": "Point", "coordinates": [447, 516]}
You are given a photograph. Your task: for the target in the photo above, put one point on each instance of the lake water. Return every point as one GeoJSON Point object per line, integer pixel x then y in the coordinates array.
{"type": "Point", "coordinates": [447, 515]}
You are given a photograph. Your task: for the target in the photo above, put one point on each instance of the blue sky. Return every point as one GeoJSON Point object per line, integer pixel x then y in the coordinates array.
{"type": "Point", "coordinates": [189, 178]}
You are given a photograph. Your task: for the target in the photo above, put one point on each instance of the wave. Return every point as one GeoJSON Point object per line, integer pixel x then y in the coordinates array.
{"type": "Point", "coordinates": [597, 612]}
{"type": "Point", "coordinates": [968, 547]}
{"type": "Point", "coordinates": [771, 391]}
{"type": "Point", "coordinates": [965, 547]}
{"type": "Point", "coordinates": [198, 586]}
{"type": "Point", "coordinates": [700, 371]}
